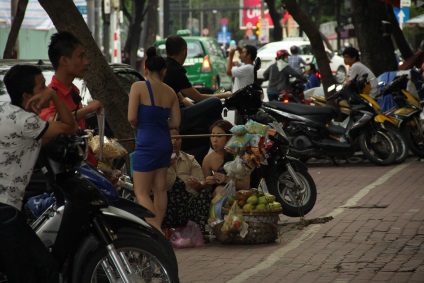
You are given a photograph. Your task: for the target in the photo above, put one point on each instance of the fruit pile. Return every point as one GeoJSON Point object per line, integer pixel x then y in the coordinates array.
{"type": "Point", "coordinates": [253, 200]}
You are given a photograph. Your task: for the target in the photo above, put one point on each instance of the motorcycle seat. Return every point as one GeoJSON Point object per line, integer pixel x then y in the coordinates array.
{"type": "Point", "coordinates": [301, 109]}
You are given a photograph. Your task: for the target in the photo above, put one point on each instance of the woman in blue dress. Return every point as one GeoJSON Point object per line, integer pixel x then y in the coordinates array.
{"type": "Point", "coordinates": [153, 109]}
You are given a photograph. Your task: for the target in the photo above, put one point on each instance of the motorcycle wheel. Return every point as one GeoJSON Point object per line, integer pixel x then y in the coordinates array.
{"type": "Point", "coordinates": [402, 147]}
{"type": "Point", "coordinates": [283, 187]}
{"type": "Point", "coordinates": [378, 147]}
{"type": "Point", "coordinates": [414, 137]}
{"type": "Point", "coordinates": [146, 258]}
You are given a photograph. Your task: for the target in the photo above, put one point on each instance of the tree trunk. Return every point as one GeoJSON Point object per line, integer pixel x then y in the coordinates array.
{"type": "Point", "coordinates": [306, 24]}
{"type": "Point", "coordinates": [277, 33]}
{"type": "Point", "coordinates": [101, 81]}
{"type": "Point", "coordinates": [151, 29]}
{"type": "Point", "coordinates": [377, 51]}
{"type": "Point", "coordinates": [9, 50]}
{"type": "Point", "coordinates": [134, 32]}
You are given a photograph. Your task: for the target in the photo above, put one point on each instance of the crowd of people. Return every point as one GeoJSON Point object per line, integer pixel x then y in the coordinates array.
{"type": "Point", "coordinates": [167, 180]}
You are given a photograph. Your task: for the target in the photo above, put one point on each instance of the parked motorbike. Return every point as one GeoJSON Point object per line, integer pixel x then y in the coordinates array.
{"type": "Point", "coordinates": [389, 124]}
{"type": "Point", "coordinates": [312, 131]}
{"type": "Point", "coordinates": [94, 235]}
{"type": "Point", "coordinates": [286, 177]}
{"type": "Point", "coordinates": [408, 113]}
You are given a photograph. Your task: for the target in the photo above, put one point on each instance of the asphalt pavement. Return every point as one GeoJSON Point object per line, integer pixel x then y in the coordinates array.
{"type": "Point", "coordinates": [376, 234]}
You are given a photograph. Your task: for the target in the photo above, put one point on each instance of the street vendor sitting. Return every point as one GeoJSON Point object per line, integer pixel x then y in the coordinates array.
{"type": "Point", "coordinates": [189, 197]}
{"type": "Point", "coordinates": [214, 161]}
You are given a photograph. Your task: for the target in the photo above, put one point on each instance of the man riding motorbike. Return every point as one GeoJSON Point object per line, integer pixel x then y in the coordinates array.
{"type": "Point", "coordinates": [279, 74]}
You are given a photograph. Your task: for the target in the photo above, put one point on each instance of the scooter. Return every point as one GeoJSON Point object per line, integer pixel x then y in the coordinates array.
{"type": "Point", "coordinates": [408, 113]}
{"type": "Point", "coordinates": [93, 234]}
{"type": "Point", "coordinates": [389, 124]}
{"type": "Point", "coordinates": [295, 94]}
{"type": "Point", "coordinates": [286, 177]}
{"type": "Point", "coordinates": [312, 131]}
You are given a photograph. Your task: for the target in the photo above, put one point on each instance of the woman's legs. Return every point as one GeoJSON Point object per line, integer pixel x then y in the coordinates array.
{"type": "Point", "coordinates": [161, 196]}
{"type": "Point", "coordinates": [142, 189]}
{"type": "Point", "coordinates": [144, 184]}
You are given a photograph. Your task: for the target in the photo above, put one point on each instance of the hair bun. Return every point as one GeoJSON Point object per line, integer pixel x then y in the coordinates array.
{"type": "Point", "coordinates": [151, 52]}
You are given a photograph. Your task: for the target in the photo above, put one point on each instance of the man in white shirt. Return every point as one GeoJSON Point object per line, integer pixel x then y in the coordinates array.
{"type": "Point", "coordinates": [244, 74]}
{"type": "Point", "coordinates": [23, 257]}
{"type": "Point", "coordinates": [351, 58]}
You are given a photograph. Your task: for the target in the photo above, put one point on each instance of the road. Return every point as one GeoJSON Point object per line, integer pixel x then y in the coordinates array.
{"type": "Point", "coordinates": [376, 234]}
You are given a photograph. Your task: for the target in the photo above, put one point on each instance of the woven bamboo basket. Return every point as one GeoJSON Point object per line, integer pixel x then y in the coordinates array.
{"type": "Point", "coordinates": [263, 228]}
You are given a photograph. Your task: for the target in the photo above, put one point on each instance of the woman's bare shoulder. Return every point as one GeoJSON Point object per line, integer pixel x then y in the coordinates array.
{"type": "Point", "coordinates": [139, 83]}
{"type": "Point", "coordinates": [169, 89]}
{"type": "Point", "coordinates": [207, 160]}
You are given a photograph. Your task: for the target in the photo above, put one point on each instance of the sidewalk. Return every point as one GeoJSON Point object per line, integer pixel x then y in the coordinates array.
{"type": "Point", "coordinates": [377, 234]}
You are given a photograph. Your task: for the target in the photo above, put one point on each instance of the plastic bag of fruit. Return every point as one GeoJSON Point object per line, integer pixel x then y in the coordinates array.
{"type": "Point", "coordinates": [220, 199]}
{"type": "Point", "coordinates": [233, 221]}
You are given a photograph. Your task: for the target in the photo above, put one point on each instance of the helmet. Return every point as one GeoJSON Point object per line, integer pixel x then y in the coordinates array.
{"type": "Point", "coordinates": [281, 54]}
{"type": "Point", "coordinates": [294, 50]}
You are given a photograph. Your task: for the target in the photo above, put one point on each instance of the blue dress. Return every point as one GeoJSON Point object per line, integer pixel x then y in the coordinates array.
{"type": "Point", "coordinates": [153, 144]}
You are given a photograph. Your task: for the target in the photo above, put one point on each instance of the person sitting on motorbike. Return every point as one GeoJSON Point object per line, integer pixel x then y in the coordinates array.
{"type": "Point", "coordinates": [351, 58]}
{"type": "Point", "coordinates": [313, 80]}
{"type": "Point", "coordinates": [23, 257]}
{"type": "Point", "coordinates": [279, 74]}
{"type": "Point", "coordinates": [295, 61]}
{"type": "Point", "coordinates": [193, 118]}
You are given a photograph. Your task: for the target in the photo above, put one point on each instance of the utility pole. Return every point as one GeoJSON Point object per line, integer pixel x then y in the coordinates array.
{"type": "Point", "coordinates": [14, 7]}
{"type": "Point", "coordinates": [338, 29]}
{"type": "Point", "coordinates": [166, 16]}
{"type": "Point", "coordinates": [161, 17]}
{"type": "Point", "coordinates": [97, 21]}
{"type": "Point", "coordinates": [106, 30]}
{"type": "Point", "coordinates": [115, 30]}
{"type": "Point", "coordinates": [90, 16]}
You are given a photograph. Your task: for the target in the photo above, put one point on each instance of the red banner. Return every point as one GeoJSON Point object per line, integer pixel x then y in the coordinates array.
{"type": "Point", "coordinates": [252, 15]}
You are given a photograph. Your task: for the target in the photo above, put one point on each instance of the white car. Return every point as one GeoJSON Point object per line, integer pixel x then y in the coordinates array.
{"type": "Point", "coordinates": [268, 52]}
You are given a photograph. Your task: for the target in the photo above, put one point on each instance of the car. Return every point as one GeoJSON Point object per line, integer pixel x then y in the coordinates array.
{"type": "Point", "coordinates": [125, 74]}
{"type": "Point", "coordinates": [206, 63]}
{"type": "Point", "coordinates": [268, 52]}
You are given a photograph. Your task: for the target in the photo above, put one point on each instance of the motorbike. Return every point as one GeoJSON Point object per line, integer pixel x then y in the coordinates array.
{"type": "Point", "coordinates": [313, 132]}
{"type": "Point", "coordinates": [408, 113]}
{"type": "Point", "coordinates": [389, 124]}
{"type": "Point", "coordinates": [95, 235]}
{"type": "Point", "coordinates": [286, 177]}
{"type": "Point", "coordinates": [295, 94]}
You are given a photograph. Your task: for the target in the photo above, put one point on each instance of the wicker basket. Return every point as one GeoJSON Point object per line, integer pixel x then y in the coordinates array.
{"type": "Point", "coordinates": [263, 228]}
